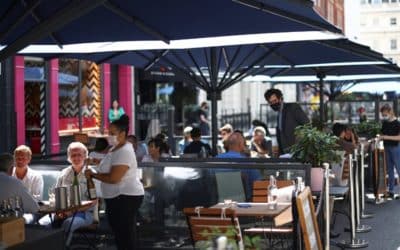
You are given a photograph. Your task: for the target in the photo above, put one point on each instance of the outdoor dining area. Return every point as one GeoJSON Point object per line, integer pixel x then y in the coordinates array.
{"type": "Point", "coordinates": [313, 188]}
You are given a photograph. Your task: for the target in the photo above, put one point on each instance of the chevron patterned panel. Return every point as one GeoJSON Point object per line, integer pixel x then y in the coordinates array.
{"type": "Point", "coordinates": [68, 103]}
{"type": "Point", "coordinates": [32, 103]}
{"type": "Point", "coordinates": [92, 82]}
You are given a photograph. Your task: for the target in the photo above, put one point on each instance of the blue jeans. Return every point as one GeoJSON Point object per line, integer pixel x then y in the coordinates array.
{"type": "Point", "coordinates": [392, 160]}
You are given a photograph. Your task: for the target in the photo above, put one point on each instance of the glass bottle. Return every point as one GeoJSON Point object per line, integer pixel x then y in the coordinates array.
{"type": "Point", "coordinates": [272, 193]}
{"type": "Point", "coordinates": [75, 191]}
{"type": "Point", "coordinates": [19, 208]}
{"type": "Point", "coordinates": [91, 189]}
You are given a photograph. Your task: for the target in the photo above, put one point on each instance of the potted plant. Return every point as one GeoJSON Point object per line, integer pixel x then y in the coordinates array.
{"type": "Point", "coordinates": [315, 147]}
{"type": "Point", "coordinates": [368, 129]}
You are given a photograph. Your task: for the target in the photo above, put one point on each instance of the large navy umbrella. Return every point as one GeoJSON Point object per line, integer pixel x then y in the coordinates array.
{"type": "Point", "coordinates": [217, 68]}
{"type": "Point", "coordinates": [152, 24]}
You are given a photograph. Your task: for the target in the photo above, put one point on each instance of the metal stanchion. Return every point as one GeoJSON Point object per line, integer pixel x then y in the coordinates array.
{"type": "Point", "coordinates": [362, 168]}
{"type": "Point", "coordinates": [359, 227]}
{"type": "Point", "coordinates": [353, 243]}
{"type": "Point", "coordinates": [327, 210]}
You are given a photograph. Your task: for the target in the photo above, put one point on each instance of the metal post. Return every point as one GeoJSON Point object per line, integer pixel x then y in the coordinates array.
{"type": "Point", "coordinates": [359, 228]}
{"type": "Point", "coordinates": [321, 77]}
{"type": "Point", "coordinates": [327, 209]}
{"type": "Point", "coordinates": [353, 243]}
{"type": "Point", "coordinates": [214, 99]}
{"type": "Point", "coordinates": [362, 167]}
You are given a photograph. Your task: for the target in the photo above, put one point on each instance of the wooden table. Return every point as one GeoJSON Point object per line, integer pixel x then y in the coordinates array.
{"type": "Point", "coordinates": [255, 209]}
{"type": "Point", "coordinates": [46, 209]}
{"type": "Point", "coordinates": [85, 205]}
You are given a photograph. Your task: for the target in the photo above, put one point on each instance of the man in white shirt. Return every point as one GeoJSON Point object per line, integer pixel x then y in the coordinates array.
{"type": "Point", "coordinates": [31, 179]}
{"type": "Point", "coordinates": [11, 187]}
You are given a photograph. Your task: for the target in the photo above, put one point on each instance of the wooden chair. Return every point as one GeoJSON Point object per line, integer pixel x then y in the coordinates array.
{"type": "Point", "coordinates": [260, 189]}
{"type": "Point", "coordinates": [84, 139]}
{"type": "Point", "coordinates": [205, 224]}
{"type": "Point", "coordinates": [271, 231]}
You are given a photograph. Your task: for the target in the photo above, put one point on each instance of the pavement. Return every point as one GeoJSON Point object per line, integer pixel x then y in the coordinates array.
{"type": "Point", "coordinates": [385, 233]}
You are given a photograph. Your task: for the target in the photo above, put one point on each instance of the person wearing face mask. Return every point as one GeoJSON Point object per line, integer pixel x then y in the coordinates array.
{"type": "Point", "coordinates": [391, 137]}
{"type": "Point", "coordinates": [290, 115]}
{"type": "Point", "coordinates": [120, 185]}
{"type": "Point", "coordinates": [204, 123]}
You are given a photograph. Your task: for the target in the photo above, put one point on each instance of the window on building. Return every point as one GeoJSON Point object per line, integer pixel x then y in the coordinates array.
{"type": "Point", "coordinates": [385, 1]}
{"type": "Point", "coordinates": [393, 21]}
{"type": "Point", "coordinates": [80, 95]}
{"type": "Point", "coordinates": [376, 1]}
{"type": "Point", "coordinates": [393, 44]}
{"type": "Point", "coordinates": [363, 1]}
{"type": "Point", "coordinates": [394, 1]}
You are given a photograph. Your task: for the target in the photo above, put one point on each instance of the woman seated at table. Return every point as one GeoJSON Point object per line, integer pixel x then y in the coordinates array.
{"type": "Point", "coordinates": [77, 154]}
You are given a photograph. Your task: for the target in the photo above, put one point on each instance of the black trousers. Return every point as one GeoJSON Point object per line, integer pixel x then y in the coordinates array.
{"type": "Point", "coordinates": [121, 212]}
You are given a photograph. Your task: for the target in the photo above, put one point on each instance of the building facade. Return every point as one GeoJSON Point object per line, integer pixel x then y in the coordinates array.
{"type": "Point", "coordinates": [379, 26]}
{"type": "Point", "coordinates": [44, 103]}
{"type": "Point", "coordinates": [332, 10]}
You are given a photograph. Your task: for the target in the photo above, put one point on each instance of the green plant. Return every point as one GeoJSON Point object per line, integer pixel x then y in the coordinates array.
{"type": "Point", "coordinates": [368, 129]}
{"type": "Point", "coordinates": [314, 146]}
{"type": "Point", "coordinates": [230, 232]}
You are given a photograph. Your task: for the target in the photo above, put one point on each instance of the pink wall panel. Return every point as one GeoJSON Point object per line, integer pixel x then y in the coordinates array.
{"type": "Point", "coordinates": [54, 141]}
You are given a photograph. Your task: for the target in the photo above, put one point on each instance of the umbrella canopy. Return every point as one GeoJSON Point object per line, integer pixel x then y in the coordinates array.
{"type": "Point", "coordinates": [153, 24]}
{"type": "Point", "coordinates": [217, 68]}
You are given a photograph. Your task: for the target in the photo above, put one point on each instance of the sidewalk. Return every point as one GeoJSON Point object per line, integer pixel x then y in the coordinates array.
{"type": "Point", "coordinates": [385, 233]}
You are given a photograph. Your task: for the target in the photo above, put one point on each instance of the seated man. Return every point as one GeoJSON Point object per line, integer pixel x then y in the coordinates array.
{"type": "Point", "coordinates": [31, 179]}
{"type": "Point", "coordinates": [225, 131]}
{"type": "Point", "coordinates": [11, 187]}
{"type": "Point", "coordinates": [187, 139]}
{"type": "Point", "coordinates": [77, 154]}
{"type": "Point", "coordinates": [260, 146]}
{"type": "Point", "coordinates": [236, 145]}
{"type": "Point", "coordinates": [197, 146]}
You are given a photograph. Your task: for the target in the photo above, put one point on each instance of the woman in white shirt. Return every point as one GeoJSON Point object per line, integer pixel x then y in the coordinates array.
{"type": "Point", "coordinates": [121, 188]}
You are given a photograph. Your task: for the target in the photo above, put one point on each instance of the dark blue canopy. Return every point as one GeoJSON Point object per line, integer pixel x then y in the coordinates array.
{"type": "Point", "coordinates": [64, 22]}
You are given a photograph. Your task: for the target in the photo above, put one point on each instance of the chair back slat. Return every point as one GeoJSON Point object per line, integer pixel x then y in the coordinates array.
{"type": "Point", "coordinates": [81, 137]}
{"type": "Point", "coordinates": [207, 223]}
{"type": "Point", "coordinates": [260, 189]}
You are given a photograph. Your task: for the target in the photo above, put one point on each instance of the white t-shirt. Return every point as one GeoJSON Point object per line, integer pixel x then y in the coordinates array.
{"type": "Point", "coordinates": [130, 183]}
{"type": "Point", "coordinates": [33, 181]}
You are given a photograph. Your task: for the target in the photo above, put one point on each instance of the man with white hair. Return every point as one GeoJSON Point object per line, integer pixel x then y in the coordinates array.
{"type": "Point", "coordinates": [187, 139]}
{"type": "Point", "coordinates": [77, 154]}
{"type": "Point", "coordinates": [260, 146]}
{"type": "Point", "coordinates": [31, 179]}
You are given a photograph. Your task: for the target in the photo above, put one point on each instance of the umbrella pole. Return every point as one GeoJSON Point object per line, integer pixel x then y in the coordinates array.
{"type": "Point", "coordinates": [214, 99]}
{"type": "Point", "coordinates": [214, 122]}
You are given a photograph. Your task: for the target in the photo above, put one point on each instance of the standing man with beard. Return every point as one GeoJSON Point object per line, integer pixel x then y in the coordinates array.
{"type": "Point", "coordinates": [290, 115]}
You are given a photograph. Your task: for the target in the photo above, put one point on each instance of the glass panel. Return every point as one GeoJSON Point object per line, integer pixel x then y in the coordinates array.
{"type": "Point", "coordinates": [68, 80]}
{"type": "Point", "coordinates": [90, 96]}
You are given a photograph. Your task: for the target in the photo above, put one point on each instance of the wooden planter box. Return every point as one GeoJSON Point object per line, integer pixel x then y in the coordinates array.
{"type": "Point", "coordinates": [12, 231]}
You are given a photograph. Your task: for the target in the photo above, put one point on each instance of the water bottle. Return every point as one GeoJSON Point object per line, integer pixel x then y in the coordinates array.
{"type": "Point", "coordinates": [203, 153]}
{"type": "Point", "coordinates": [19, 208]}
{"type": "Point", "coordinates": [272, 193]}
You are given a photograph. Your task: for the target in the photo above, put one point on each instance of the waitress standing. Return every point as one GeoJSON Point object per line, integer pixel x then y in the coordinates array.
{"type": "Point", "coordinates": [121, 188]}
{"type": "Point", "coordinates": [391, 137]}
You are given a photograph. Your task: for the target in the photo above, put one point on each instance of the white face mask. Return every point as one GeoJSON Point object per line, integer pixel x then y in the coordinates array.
{"type": "Point", "coordinates": [112, 140]}
{"type": "Point", "coordinates": [385, 118]}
